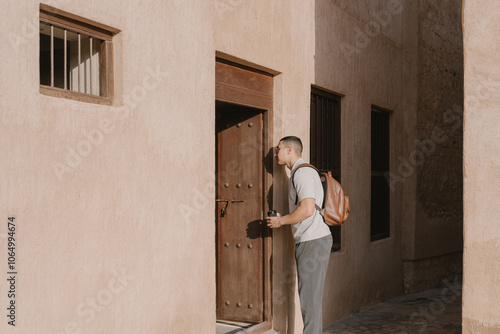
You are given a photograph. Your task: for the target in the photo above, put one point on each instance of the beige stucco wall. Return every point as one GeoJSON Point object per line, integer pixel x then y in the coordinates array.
{"type": "Point", "coordinates": [481, 290]}
{"type": "Point", "coordinates": [103, 247]}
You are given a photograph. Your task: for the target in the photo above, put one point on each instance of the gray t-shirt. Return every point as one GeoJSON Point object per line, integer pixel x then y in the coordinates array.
{"type": "Point", "coordinates": [307, 185]}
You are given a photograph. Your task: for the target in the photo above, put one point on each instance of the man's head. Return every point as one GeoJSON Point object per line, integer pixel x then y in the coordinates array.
{"type": "Point", "coordinates": [289, 149]}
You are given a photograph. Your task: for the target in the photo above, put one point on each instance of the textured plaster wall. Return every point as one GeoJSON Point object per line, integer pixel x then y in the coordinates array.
{"type": "Point", "coordinates": [118, 240]}
{"type": "Point", "coordinates": [438, 162]}
{"type": "Point", "coordinates": [481, 290]}
{"type": "Point", "coordinates": [441, 91]}
{"type": "Point", "coordinates": [435, 155]}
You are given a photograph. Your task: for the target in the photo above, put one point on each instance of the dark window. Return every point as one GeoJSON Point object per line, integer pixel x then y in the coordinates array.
{"type": "Point", "coordinates": [380, 193]}
{"type": "Point", "coordinates": [75, 56]}
{"type": "Point", "coordinates": [325, 140]}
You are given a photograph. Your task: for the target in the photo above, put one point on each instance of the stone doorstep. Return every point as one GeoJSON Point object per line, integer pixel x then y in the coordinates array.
{"type": "Point", "coordinates": [230, 328]}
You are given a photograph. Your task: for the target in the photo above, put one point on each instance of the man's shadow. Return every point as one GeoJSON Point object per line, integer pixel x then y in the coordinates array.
{"type": "Point", "coordinates": [257, 228]}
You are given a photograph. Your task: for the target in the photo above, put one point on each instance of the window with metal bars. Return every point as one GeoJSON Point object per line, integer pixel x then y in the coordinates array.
{"type": "Point", "coordinates": [75, 57]}
{"type": "Point", "coordinates": [380, 193]}
{"type": "Point", "coordinates": [325, 140]}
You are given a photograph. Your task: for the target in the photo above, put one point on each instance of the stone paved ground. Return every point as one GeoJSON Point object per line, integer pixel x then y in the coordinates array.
{"type": "Point", "coordinates": [437, 311]}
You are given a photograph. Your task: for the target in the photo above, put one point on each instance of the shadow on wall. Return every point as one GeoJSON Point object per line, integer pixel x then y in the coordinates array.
{"type": "Point", "coordinates": [426, 132]}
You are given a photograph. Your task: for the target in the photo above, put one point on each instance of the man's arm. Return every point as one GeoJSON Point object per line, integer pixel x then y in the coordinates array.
{"type": "Point", "coordinates": [304, 210]}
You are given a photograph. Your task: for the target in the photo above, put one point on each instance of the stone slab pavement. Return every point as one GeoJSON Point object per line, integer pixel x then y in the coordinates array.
{"type": "Point", "coordinates": [437, 311]}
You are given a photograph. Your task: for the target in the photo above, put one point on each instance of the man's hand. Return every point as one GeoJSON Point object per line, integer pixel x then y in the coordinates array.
{"type": "Point", "coordinates": [274, 222]}
{"type": "Point", "coordinates": [305, 210]}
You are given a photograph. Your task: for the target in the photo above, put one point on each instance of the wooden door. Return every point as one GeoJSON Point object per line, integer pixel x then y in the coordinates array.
{"type": "Point", "coordinates": [240, 292]}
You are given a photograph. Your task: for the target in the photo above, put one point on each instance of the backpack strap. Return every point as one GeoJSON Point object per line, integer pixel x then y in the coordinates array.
{"type": "Point", "coordinates": [293, 183]}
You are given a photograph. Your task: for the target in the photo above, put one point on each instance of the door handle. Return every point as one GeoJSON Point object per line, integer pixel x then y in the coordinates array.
{"type": "Point", "coordinates": [227, 201]}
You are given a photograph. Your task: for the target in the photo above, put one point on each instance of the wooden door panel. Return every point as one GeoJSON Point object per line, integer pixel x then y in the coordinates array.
{"type": "Point", "coordinates": [239, 242]}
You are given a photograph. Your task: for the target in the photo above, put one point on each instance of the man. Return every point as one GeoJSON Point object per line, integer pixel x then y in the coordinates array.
{"type": "Point", "coordinates": [313, 240]}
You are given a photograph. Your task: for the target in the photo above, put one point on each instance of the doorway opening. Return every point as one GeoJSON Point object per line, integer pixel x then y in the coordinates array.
{"type": "Point", "coordinates": [239, 213]}
{"type": "Point", "coordinates": [243, 111]}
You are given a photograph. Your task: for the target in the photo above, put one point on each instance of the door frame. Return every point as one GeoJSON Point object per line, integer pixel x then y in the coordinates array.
{"type": "Point", "coordinates": [233, 86]}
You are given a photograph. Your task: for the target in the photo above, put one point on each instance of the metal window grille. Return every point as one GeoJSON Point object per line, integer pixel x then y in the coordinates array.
{"type": "Point", "coordinates": [380, 159]}
{"type": "Point", "coordinates": [74, 56]}
{"type": "Point", "coordinates": [325, 140]}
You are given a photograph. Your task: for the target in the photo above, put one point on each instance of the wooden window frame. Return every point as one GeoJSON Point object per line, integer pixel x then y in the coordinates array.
{"type": "Point", "coordinates": [381, 208]}
{"type": "Point", "coordinates": [80, 25]}
{"type": "Point", "coordinates": [333, 142]}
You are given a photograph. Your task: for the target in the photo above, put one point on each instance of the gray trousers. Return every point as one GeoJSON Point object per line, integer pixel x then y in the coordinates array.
{"type": "Point", "coordinates": [312, 261]}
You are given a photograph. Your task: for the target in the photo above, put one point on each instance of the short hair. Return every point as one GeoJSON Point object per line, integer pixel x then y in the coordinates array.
{"type": "Point", "coordinates": [294, 142]}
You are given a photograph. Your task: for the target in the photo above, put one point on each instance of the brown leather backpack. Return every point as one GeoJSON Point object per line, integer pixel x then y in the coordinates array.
{"type": "Point", "coordinates": [336, 208]}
